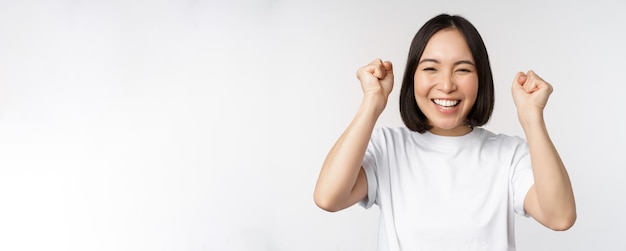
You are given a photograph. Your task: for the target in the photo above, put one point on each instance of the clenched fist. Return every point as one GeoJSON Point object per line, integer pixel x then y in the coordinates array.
{"type": "Point", "coordinates": [376, 80]}
{"type": "Point", "coordinates": [530, 94]}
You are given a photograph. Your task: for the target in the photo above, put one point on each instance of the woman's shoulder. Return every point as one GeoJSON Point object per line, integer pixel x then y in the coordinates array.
{"type": "Point", "coordinates": [391, 135]}
{"type": "Point", "coordinates": [490, 136]}
{"type": "Point", "coordinates": [395, 132]}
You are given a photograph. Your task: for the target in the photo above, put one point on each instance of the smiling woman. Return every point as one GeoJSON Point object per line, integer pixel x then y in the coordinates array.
{"type": "Point", "coordinates": [443, 182]}
{"type": "Point", "coordinates": [203, 124]}
{"type": "Point", "coordinates": [470, 65]}
{"type": "Point", "coordinates": [446, 83]}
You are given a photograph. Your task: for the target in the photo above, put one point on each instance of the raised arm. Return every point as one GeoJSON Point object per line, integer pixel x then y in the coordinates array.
{"type": "Point", "coordinates": [550, 200]}
{"type": "Point", "coordinates": [342, 182]}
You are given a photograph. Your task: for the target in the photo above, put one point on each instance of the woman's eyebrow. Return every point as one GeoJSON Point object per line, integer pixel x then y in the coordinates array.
{"type": "Point", "coordinates": [464, 62]}
{"type": "Point", "coordinates": [455, 63]}
{"type": "Point", "coordinates": [429, 60]}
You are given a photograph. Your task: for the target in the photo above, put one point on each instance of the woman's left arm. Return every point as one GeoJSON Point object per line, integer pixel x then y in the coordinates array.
{"type": "Point", "coordinates": [550, 200]}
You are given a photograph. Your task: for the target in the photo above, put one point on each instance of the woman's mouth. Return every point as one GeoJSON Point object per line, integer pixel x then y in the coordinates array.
{"type": "Point", "coordinates": [446, 104]}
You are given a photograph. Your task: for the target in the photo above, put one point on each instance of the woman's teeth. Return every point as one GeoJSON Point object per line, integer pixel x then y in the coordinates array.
{"type": "Point", "coordinates": [446, 102]}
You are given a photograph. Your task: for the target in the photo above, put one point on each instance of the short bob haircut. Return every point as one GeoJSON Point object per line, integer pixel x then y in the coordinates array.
{"type": "Point", "coordinates": [480, 113]}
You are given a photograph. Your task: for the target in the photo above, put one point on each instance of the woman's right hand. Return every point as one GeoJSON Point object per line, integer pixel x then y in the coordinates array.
{"type": "Point", "coordinates": [376, 80]}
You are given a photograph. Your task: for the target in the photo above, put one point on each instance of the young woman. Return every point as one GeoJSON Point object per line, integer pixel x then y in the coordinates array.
{"type": "Point", "coordinates": [443, 182]}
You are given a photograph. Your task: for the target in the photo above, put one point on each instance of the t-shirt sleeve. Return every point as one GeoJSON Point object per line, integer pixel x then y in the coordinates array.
{"type": "Point", "coordinates": [522, 178]}
{"type": "Point", "coordinates": [369, 168]}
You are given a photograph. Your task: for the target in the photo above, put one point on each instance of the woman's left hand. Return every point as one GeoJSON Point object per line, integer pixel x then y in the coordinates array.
{"type": "Point", "coordinates": [530, 94]}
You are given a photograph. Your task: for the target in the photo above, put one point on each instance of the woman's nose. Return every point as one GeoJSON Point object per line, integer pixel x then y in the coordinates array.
{"type": "Point", "coordinates": [447, 83]}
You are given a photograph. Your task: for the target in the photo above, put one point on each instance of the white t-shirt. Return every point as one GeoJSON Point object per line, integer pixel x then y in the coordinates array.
{"type": "Point", "coordinates": [446, 193]}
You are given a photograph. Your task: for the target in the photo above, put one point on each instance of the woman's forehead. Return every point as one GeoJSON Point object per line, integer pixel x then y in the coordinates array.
{"type": "Point", "coordinates": [445, 46]}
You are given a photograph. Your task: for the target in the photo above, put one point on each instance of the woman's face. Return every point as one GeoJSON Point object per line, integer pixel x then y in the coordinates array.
{"type": "Point", "coordinates": [446, 83]}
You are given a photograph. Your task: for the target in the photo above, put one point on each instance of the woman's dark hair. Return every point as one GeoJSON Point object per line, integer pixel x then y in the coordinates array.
{"type": "Point", "coordinates": [480, 113]}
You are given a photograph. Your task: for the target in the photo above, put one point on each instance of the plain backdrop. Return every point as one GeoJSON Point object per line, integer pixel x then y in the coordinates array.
{"type": "Point", "coordinates": [202, 125]}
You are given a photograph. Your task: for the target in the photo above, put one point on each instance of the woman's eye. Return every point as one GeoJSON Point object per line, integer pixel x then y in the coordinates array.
{"type": "Point", "coordinates": [464, 70]}
{"type": "Point", "coordinates": [429, 69]}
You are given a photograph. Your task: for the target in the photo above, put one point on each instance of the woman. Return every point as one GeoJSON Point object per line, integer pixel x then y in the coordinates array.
{"type": "Point", "coordinates": [443, 182]}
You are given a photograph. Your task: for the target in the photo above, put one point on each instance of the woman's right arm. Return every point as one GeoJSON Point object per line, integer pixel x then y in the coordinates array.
{"type": "Point", "coordinates": [342, 182]}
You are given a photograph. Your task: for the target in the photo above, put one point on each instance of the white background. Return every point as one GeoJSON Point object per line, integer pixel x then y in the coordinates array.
{"type": "Point", "coordinates": [202, 125]}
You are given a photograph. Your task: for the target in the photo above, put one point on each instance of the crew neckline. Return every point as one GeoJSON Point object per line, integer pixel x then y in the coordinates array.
{"type": "Point", "coordinates": [452, 142]}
